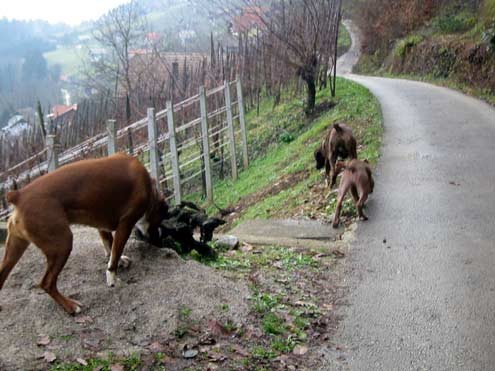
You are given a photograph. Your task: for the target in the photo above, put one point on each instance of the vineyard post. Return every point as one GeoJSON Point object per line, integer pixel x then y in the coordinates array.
{"type": "Point", "coordinates": [129, 140]}
{"type": "Point", "coordinates": [52, 152]}
{"type": "Point", "coordinates": [206, 143]}
{"type": "Point", "coordinates": [173, 152]}
{"type": "Point", "coordinates": [242, 121]}
{"type": "Point", "coordinates": [152, 138]}
{"type": "Point", "coordinates": [230, 123]}
{"type": "Point", "coordinates": [112, 137]}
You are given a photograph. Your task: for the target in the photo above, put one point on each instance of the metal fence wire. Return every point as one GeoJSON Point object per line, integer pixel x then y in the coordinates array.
{"type": "Point", "coordinates": [186, 146]}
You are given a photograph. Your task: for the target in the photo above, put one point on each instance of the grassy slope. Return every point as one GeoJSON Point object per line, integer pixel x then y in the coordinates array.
{"type": "Point", "coordinates": [463, 25]}
{"type": "Point", "coordinates": [353, 105]}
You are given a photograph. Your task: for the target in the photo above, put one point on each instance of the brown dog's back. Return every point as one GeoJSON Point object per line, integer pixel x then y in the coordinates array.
{"type": "Point", "coordinates": [95, 192]}
{"type": "Point", "coordinates": [358, 179]}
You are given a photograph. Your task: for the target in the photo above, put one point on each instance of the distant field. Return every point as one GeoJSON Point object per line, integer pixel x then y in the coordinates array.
{"type": "Point", "coordinates": [68, 57]}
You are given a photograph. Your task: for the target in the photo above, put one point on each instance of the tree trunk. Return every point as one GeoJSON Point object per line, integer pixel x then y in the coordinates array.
{"type": "Point", "coordinates": [310, 104]}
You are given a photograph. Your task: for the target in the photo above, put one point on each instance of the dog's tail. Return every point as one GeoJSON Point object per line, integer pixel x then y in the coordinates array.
{"type": "Point", "coordinates": [13, 197]}
{"type": "Point", "coordinates": [338, 128]}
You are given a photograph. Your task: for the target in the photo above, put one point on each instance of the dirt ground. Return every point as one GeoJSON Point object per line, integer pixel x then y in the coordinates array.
{"type": "Point", "coordinates": [146, 303]}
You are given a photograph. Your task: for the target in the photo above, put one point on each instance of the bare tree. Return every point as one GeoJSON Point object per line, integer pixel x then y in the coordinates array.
{"type": "Point", "coordinates": [300, 33]}
{"type": "Point", "coordinates": [121, 34]}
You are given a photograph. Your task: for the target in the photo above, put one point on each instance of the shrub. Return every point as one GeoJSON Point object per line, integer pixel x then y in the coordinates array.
{"type": "Point", "coordinates": [454, 23]}
{"type": "Point", "coordinates": [404, 45]}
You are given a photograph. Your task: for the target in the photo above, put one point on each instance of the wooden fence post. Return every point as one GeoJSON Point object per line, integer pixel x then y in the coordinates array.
{"type": "Point", "coordinates": [129, 139]}
{"type": "Point", "coordinates": [173, 152]}
{"type": "Point", "coordinates": [112, 137]}
{"type": "Point", "coordinates": [242, 121]}
{"type": "Point", "coordinates": [230, 123]}
{"type": "Point", "coordinates": [3, 198]}
{"type": "Point", "coordinates": [152, 138]}
{"type": "Point", "coordinates": [52, 153]}
{"type": "Point", "coordinates": [206, 143]}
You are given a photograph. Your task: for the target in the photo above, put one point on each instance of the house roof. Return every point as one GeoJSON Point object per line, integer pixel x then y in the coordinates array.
{"type": "Point", "coordinates": [61, 109]}
{"type": "Point", "coordinates": [250, 18]}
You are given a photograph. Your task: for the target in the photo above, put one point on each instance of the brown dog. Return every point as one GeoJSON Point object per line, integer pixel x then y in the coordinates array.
{"type": "Point", "coordinates": [110, 194]}
{"type": "Point", "coordinates": [339, 142]}
{"type": "Point", "coordinates": [358, 179]}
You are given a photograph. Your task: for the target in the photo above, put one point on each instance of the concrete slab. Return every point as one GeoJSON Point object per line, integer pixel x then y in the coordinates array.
{"type": "Point", "coordinates": [287, 233]}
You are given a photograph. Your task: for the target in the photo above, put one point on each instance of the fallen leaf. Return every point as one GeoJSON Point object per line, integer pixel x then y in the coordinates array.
{"type": "Point", "coordinates": [240, 350]}
{"type": "Point", "coordinates": [43, 340]}
{"type": "Point", "coordinates": [216, 328]}
{"type": "Point", "coordinates": [49, 357]}
{"type": "Point", "coordinates": [82, 320]}
{"type": "Point", "coordinates": [306, 304]}
{"type": "Point", "coordinates": [328, 307]}
{"type": "Point", "coordinates": [246, 247]}
{"type": "Point", "coordinates": [92, 344]}
{"type": "Point", "coordinates": [216, 358]}
{"type": "Point", "coordinates": [156, 347]}
{"type": "Point", "coordinates": [300, 350]}
{"type": "Point", "coordinates": [116, 367]}
{"type": "Point", "coordinates": [81, 361]}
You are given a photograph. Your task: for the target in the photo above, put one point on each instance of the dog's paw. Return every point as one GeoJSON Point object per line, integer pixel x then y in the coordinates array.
{"type": "Point", "coordinates": [110, 278]}
{"type": "Point", "coordinates": [363, 218]}
{"type": "Point", "coordinates": [73, 307]}
{"type": "Point", "coordinates": [124, 262]}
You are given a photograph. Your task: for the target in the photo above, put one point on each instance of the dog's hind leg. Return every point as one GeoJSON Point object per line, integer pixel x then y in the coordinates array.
{"type": "Point", "coordinates": [355, 194]}
{"type": "Point", "coordinates": [107, 239]}
{"type": "Point", "coordinates": [121, 236]}
{"type": "Point", "coordinates": [340, 198]}
{"type": "Point", "coordinates": [14, 249]}
{"type": "Point", "coordinates": [57, 249]}
{"type": "Point", "coordinates": [360, 205]}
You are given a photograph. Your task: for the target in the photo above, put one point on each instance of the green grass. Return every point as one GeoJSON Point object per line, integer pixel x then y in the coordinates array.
{"type": "Point", "coordinates": [288, 258]}
{"type": "Point", "coordinates": [67, 57]}
{"type": "Point", "coordinates": [276, 158]}
{"type": "Point", "coordinates": [131, 363]}
{"type": "Point", "coordinates": [449, 23]}
{"type": "Point", "coordinates": [406, 44]}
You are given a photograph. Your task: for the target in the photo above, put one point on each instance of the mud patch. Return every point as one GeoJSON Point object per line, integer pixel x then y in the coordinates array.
{"type": "Point", "coordinates": [146, 303]}
{"type": "Point", "coordinates": [278, 186]}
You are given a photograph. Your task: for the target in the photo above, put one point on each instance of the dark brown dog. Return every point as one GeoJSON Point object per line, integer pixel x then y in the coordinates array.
{"type": "Point", "coordinates": [110, 194]}
{"type": "Point", "coordinates": [339, 142]}
{"type": "Point", "coordinates": [358, 179]}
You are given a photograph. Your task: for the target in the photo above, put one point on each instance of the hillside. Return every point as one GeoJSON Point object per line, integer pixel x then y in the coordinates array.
{"type": "Point", "coordinates": [452, 44]}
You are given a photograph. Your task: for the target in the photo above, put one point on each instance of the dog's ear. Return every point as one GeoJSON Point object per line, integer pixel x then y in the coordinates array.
{"type": "Point", "coordinates": [12, 197]}
{"type": "Point", "coordinates": [163, 209]}
{"type": "Point", "coordinates": [320, 159]}
{"type": "Point", "coordinates": [366, 160]}
{"type": "Point", "coordinates": [338, 128]}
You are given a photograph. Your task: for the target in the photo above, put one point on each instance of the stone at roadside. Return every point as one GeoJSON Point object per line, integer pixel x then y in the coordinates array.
{"type": "Point", "coordinates": [227, 243]}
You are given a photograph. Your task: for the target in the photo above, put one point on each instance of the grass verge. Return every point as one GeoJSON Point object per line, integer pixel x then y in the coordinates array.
{"type": "Point", "coordinates": [283, 140]}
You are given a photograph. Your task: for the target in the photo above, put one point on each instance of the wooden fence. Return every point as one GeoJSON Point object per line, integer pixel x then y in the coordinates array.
{"type": "Point", "coordinates": [187, 146]}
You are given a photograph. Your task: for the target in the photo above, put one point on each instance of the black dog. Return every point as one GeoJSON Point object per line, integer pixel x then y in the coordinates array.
{"type": "Point", "coordinates": [177, 230]}
{"type": "Point", "coordinates": [339, 142]}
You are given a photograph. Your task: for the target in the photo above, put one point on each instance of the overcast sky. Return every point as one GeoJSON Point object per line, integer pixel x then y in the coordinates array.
{"type": "Point", "coordinates": [72, 12]}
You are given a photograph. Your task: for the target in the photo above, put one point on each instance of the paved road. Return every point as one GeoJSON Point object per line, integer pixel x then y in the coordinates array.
{"type": "Point", "coordinates": [425, 299]}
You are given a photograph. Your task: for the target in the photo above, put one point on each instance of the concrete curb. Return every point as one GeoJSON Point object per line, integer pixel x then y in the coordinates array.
{"type": "Point", "coordinates": [286, 242]}
{"type": "Point", "coordinates": [3, 232]}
